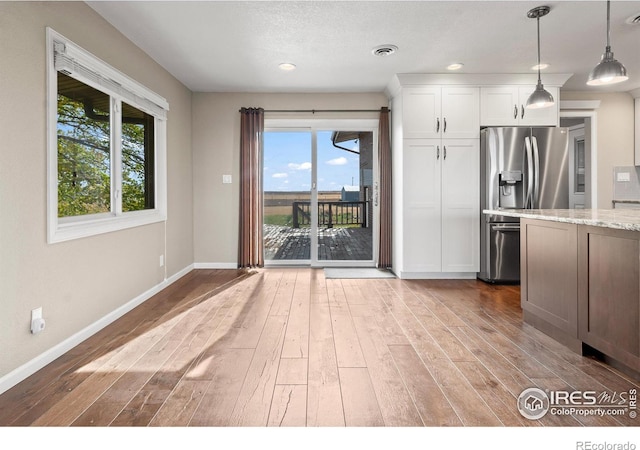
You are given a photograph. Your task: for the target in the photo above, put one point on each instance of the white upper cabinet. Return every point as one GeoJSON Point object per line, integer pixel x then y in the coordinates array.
{"type": "Point", "coordinates": [433, 112]}
{"type": "Point", "coordinates": [460, 112]}
{"type": "Point", "coordinates": [499, 106]}
{"type": "Point", "coordinates": [505, 106]}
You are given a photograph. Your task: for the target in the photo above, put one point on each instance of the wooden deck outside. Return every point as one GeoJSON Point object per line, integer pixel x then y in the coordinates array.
{"type": "Point", "coordinates": [334, 244]}
{"type": "Point", "coordinates": [287, 347]}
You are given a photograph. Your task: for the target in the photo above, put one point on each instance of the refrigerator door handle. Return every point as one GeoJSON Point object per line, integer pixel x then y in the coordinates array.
{"type": "Point", "coordinates": [536, 173]}
{"type": "Point", "coordinates": [528, 200]}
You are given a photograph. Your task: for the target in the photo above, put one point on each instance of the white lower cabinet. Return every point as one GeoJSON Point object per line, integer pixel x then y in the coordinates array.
{"type": "Point", "coordinates": [441, 206]}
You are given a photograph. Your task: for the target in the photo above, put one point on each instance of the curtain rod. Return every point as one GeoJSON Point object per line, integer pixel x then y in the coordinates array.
{"type": "Point", "coordinates": [313, 111]}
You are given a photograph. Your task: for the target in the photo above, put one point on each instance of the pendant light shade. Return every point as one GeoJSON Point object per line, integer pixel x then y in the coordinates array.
{"type": "Point", "coordinates": [609, 70]}
{"type": "Point", "coordinates": [540, 98]}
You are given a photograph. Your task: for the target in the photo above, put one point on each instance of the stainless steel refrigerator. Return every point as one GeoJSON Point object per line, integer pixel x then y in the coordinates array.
{"type": "Point", "coordinates": [520, 168]}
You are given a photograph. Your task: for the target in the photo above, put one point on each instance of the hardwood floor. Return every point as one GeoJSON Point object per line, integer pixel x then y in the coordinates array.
{"type": "Point", "coordinates": [287, 347]}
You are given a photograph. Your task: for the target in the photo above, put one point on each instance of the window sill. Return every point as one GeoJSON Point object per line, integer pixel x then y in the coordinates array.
{"type": "Point", "coordinates": [61, 232]}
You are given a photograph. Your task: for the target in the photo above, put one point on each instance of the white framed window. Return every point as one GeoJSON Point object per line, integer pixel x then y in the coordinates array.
{"type": "Point", "coordinates": [106, 146]}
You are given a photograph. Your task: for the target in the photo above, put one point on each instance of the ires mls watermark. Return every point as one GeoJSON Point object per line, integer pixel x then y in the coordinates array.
{"type": "Point", "coordinates": [535, 403]}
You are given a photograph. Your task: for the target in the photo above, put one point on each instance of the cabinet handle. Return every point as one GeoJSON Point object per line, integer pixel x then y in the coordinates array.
{"type": "Point", "coordinates": [438, 152]}
{"type": "Point", "coordinates": [522, 115]}
{"type": "Point", "coordinates": [515, 111]}
{"type": "Point", "coordinates": [444, 128]}
{"type": "Point", "coordinates": [437, 124]}
{"type": "Point", "coordinates": [444, 156]}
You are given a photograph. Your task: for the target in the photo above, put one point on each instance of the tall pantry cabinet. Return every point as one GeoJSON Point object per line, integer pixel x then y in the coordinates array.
{"type": "Point", "coordinates": [435, 132]}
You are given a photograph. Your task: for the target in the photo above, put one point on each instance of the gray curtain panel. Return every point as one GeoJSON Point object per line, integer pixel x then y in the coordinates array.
{"type": "Point", "coordinates": [384, 164]}
{"type": "Point", "coordinates": [250, 248]}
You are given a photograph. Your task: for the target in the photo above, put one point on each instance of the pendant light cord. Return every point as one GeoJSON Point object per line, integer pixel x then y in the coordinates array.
{"type": "Point", "coordinates": [538, 21]}
{"type": "Point", "coordinates": [608, 49]}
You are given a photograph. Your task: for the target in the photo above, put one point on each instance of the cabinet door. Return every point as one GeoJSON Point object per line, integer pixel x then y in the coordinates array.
{"type": "Point", "coordinates": [499, 106]}
{"type": "Point", "coordinates": [549, 282]}
{"type": "Point", "coordinates": [609, 292]}
{"type": "Point", "coordinates": [538, 117]}
{"type": "Point", "coordinates": [460, 205]}
{"type": "Point", "coordinates": [421, 108]}
{"type": "Point", "coordinates": [421, 192]}
{"type": "Point", "coordinates": [460, 112]}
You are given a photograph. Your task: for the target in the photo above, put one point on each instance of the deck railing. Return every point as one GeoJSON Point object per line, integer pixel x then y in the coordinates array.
{"type": "Point", "coordinates": [331, 213]}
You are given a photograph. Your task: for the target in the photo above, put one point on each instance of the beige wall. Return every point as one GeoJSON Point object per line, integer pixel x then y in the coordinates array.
{"type": "Point", "coordinates": [216, 131]}
{"type": "Point", "coordinates": [615, 136]}
{"type": "Point", "coordinates": [80, 281]}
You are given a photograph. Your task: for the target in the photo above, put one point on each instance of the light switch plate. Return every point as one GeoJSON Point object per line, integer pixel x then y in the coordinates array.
{"type": "Point", "coordinates": [226, 179]}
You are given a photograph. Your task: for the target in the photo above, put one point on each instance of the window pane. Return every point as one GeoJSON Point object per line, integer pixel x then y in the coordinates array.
{"type": "Point", "coordinates": [137, 159]}
{"type": "Point", "coordinates": [84, 155]}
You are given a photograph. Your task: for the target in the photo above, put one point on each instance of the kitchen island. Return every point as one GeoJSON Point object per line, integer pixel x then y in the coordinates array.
{"type": "Point", "coordinates": [580, 279]}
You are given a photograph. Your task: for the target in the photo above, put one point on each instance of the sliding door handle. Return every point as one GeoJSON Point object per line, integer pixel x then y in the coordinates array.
{"type": "Point", "coordinates": [375, 198]}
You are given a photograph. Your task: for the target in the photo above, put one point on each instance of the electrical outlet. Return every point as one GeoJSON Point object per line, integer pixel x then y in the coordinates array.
{"type": "Point", "coordinates": [161, 260]}
{"type": "Point", "coordinates": [624, 176]}
{"type": "Point", "coordinates": [37, 322]}
{"type": "Point", "coordinates": [226, 179]}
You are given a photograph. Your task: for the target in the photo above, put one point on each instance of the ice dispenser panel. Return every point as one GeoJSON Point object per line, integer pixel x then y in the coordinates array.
{"type": "Point", "coordinates": [510, 182]}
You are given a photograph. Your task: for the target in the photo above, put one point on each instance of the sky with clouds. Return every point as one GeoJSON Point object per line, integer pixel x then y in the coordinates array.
{"type": "Point", "coordinates": [287, 162]}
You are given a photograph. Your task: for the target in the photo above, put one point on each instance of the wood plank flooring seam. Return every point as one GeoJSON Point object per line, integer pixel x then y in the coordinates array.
{"type": "Point", "coordinates": [155, 339]}
{"type": "Point", "coordinates": [460, 356]}
{"type": "Point", "coordinates": [218, 306]}
{"type": "Point", "coordinates": [197, 359]}
{"type": "Point", "coordinates": [489, 321]}
{"type": "Point", "coordinates": [488, 408]}
{"type": "Point", "coordinates": [437, 295]}
{"type": "Point", "coordinates": [250, 348]}
{"type": "Point", "coordinates": [119, 339]}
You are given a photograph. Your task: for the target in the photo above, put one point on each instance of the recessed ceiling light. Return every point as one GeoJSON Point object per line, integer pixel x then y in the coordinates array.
{"type": "Point", "coordinates": [455, 66]}
{"type": "Point", "coordinates": [384, 50]}
{"type": "Point", "coordinates": [287, 67]}
{"type": "Point", "coordinates": [541, 66]}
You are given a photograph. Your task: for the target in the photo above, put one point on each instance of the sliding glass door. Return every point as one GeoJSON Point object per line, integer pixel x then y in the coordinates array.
{"type": "Point", "coordinates": [345, 189]}
{"type": "Point", "coordinates": [319, 198]}
{"type": "Point", "coordinates": [287, 181]}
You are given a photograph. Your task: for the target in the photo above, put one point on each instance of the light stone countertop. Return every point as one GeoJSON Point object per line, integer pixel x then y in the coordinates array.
{"type": "Point", "coordinates": [620, 219]}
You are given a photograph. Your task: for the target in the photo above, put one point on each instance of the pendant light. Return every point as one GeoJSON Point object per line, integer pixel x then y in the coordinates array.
{"type": "Point", "coordinates": [609, 70]}
{"type": "Point", "coordinates": [540, 98]}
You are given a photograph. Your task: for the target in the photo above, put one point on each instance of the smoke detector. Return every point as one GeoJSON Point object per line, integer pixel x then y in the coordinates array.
{"type": "Point", "coordinates": [384, 50]}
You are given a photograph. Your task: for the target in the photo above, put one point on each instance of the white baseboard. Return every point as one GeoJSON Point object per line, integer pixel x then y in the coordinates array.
{"type": "Point", "coordinates": [230, 265]}
{"type": "Point", "coordinates": [16, 376]}
{"type": "Point", "coordinates": [437, 275]}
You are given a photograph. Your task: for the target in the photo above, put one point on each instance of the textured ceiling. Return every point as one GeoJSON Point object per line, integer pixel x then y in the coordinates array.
{"type": "Point", "coordinates": [214, 46]}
